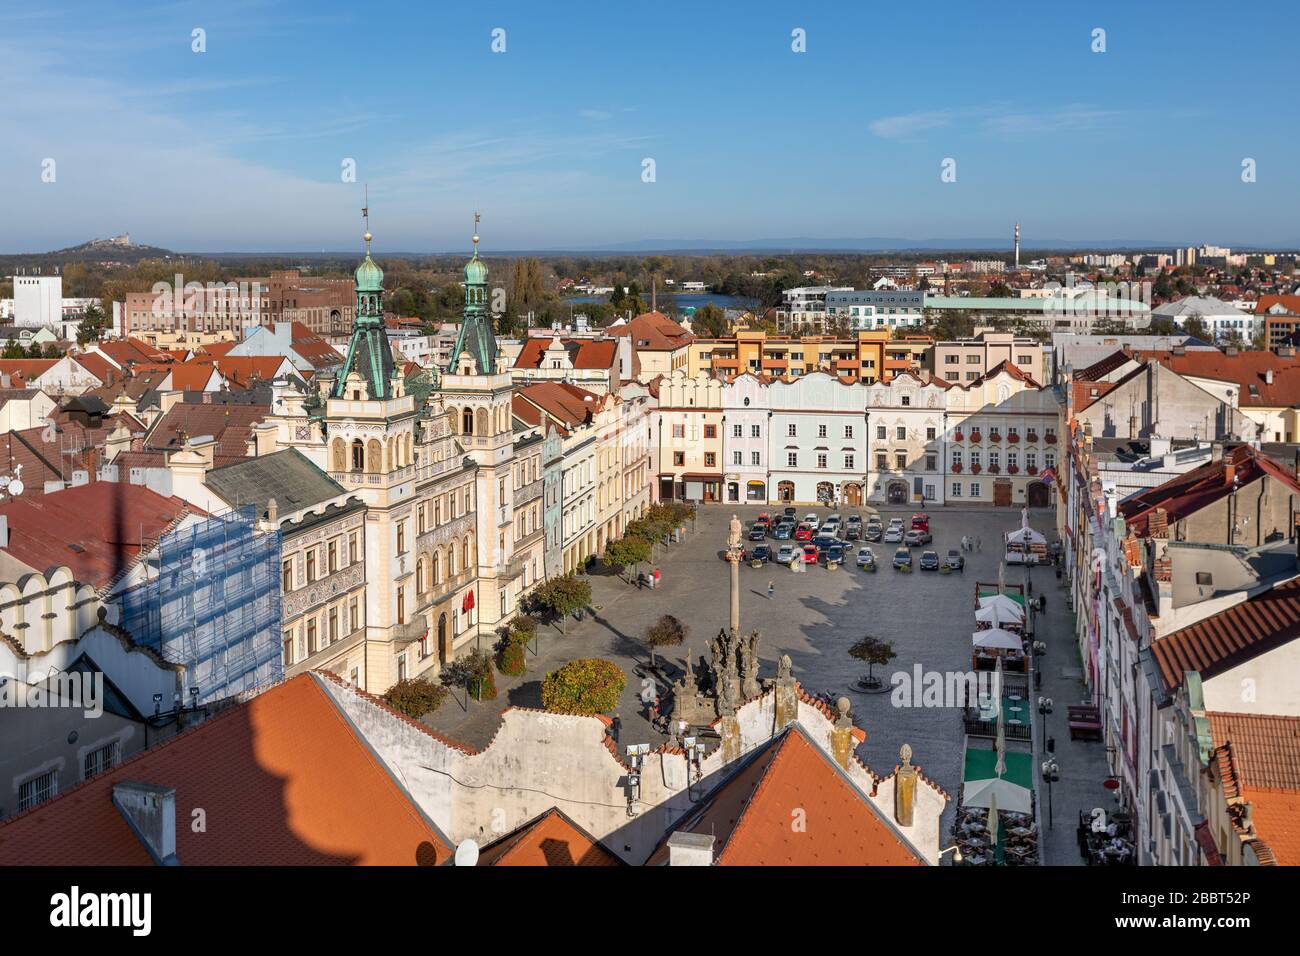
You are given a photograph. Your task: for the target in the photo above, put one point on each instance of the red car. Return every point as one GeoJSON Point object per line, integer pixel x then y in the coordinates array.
{"type": "Point", "coordinates": [803, 534]}
{"type": "Point", "coordinates": [920, 521]}
{"type": "Point", "coordinates": [810, 554]}
{"type": "Point", "coordinates": [764, 518]}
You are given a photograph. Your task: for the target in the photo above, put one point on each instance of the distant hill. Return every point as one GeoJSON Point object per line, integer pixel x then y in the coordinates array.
{"type": "Point", "coordinates": [115, 249]}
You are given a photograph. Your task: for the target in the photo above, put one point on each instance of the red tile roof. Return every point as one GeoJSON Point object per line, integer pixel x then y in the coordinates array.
{"type": "Point", "coordinates": [98, 366]}
{"type": "Point", "coordinates": [752, 814]}
{"type": "Point", "coordinates": [22, 372]}
{"type": "Point", "coordinates": [1195, 489]}
{"type": "Point", "coordinates": [1235, 635]}
{"type": "Point", "coordinates": [230, 425]}
{"type": "Point", "coordinates": [313, 348]}
{"type": "Point", "coordinates": [94, 529]}
{"type": "Point", "coordinates": [282, 779]}
{"type": "Point", "coordinates": [653, 332]}
{"type": "Point", "coordinates": [549, 839]}
{"type": "Point", "coordinates": [583, 353]}
{"type": "Point", "coordinates": [1289, 302]}
{"type": "Point", "coordinates": [1257, 757]}
{"type": "Point", "coordinates": [1248, 369]}
{"type": "Point", "coordinates": [566, 404]}
{"type": "Point", "coordinates": [1099, 370]}
{"type": "Point", "coordinates": [128, 352]}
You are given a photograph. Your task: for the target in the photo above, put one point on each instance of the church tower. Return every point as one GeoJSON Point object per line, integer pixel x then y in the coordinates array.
{"type": "Point", "coordinates": [370, 427]}
{"type": "Point", "coordinates": [476, 392]}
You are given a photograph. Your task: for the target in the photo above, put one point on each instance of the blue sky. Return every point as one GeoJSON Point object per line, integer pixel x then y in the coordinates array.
{"type": "Point", "coordinates": [240, 147]}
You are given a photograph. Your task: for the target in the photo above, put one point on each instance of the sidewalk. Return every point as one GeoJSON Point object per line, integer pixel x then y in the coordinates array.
{"type": "Point", "coordinates": [596, 635]}
{"type": "Point", "coordinates": [1082, 762]}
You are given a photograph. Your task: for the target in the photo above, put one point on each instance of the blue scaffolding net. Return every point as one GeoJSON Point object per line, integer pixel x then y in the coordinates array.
{"type": "Point", "coordinates": [214, 605]}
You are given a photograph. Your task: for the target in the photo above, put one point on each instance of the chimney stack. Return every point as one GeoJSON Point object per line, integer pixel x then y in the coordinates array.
{"type": "Point", "coordinates": [690, 849]}
{"type": "Point", "coordinates": [150, 812]}
{"type": "Point", "coordinates": [1268, 376]}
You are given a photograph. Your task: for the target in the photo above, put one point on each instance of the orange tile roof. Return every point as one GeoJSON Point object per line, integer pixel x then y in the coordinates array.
{"type": "Point", "coordinates": [98, 366]}
{"type": "Point", "coordinates": [751, 814]}
{"type": "Point", "coordinates": [566, 404]}
{"type": "Point", "coordinates": [231, 425]}
{"type": "Point", "coordinates": [583, 353]}
{"type": "Point", "coordinates": [1289, 302]}
{"type": "Point", "coordinates": [653, 331]}
{"type": "Point", "coordinates": [1258, 762]}
{"type": "Point", "coordinates": [282, 779]}
{"type": "Point", "coordinates": [549, 839]}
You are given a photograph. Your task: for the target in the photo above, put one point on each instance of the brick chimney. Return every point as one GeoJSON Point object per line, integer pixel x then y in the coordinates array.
{"type": "Point", "coordinates": [786, 694]}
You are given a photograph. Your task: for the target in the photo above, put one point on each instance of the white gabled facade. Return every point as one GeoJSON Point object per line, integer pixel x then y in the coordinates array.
{"type": "Point", "coordinates": [817, 444]}
{"type": "Point", "coordinates": [906, 420]}
{"type": "Point", "coordinates": [746, 411]}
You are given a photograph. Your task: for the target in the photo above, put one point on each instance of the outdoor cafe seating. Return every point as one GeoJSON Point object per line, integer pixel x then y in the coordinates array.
{"type": "Point", "coordinates": [1111, 844]}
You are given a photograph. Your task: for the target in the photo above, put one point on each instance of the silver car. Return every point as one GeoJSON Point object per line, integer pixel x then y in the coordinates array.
{"type": "Point", "coordinates": [785, 554]}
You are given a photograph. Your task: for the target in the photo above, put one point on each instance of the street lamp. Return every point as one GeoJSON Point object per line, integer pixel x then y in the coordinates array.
{"type": "Point", "coordinates": [954, 850]}
{"type": "Point", "coordinates": [1051, 774]}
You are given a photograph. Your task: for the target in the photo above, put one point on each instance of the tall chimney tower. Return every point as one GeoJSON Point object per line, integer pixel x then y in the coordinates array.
{"type": "Point", "coordinates": [1017, 247]}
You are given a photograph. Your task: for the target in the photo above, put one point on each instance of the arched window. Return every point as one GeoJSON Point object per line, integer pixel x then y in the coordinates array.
{"type": "Point", "coordinates": [374, 457]}
{"type": "Point", "coordinates": [420, 569]}
{"type": "Point", "coordinates": [435, 569]}
{"type": "Point", "coordinates": [467, 422]}
{"type": "Point", "coordinates": [358, 455]}
{"type": "Point", "coordinates": [339, 455]}
{"type": "Point", "coordinates": [451, 560]}
{"type": "Point", "coordinates": [483, 428]}
{"type": "Point", "coordinates": [465, 562]}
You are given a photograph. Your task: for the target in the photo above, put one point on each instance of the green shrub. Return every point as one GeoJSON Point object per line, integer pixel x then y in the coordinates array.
{"type": "Point", "coordinates": [511, 659]}
{"type": "Point", "coordinates": [415, 697]}
{"type": "Point", "coordinates": [585, 686]}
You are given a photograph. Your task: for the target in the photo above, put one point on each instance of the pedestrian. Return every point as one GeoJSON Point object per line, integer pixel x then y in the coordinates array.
{"type": "Point", "coordinates": [1042, 602]}
{"type": "Point", "coordinates": [771, 589]}
{"type": "Point", "coordinates": [654, 710]}
{"type": "Point", "coordinates": [979, 543]}
{"type": "Point", "coordinates": [963, 543]}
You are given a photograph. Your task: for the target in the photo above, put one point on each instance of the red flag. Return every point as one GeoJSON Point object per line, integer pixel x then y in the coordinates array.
{"type": "Point", "coordinates": [468, 605]}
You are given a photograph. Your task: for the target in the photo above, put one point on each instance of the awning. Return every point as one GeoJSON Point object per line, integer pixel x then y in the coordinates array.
{"type": "Point", "coordinates": [755, 483]}
{"type": "Point", "coordinates": [1004, 603]}
{"type": "Point", "coordinates": [698, 476]}
{"type": "Point", "coordinates": [996, 638]}
{"type": "Point", "coordinates": [1010, 797]}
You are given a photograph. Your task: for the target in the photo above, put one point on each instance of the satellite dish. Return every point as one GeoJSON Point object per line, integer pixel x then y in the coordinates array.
{"type": "Point", "coordinates": [467, 853]}
{"type": "Point", "coordinates": [15, 487]}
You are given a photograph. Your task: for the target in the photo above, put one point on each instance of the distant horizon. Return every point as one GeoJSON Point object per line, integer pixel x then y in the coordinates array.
{"type": "Point", "coordinates": [735, 247]}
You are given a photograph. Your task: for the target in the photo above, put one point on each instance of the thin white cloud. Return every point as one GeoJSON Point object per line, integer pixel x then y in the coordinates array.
{"type": "Point", "coordinates": [910, 124]}
{"type": "Point", "coordinates": [597, 115]}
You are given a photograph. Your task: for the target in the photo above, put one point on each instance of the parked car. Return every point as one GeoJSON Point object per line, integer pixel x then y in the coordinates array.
{"type": "Point", "coordinates": [929, 561]}
{"type": "Point", "coordinates": [853, 532]}
{"type": "Point", "coordinates": [783, 532]}
{"type": "Point", "coordinates": [854, 519]}
{"type": "Point", "coordinates": [894, 535]}
{"type": "Point", "coordinates": [810, 553]}
{"type": "Point", "coordinates": [902, 559]}
{"type": "Point", "coordinates": [761, 553]}
{"type": "Point", "coordinates": [835, 553]}
{"type": "Point", "coordinates": [812, 521]}
{"type": "Point", "coordinates": [866, 558]}
{"type": "Point", "coordinates": [790, 513]}
{"type": "Point", "coordinates": [954, 560]}
{"type": "Point", "coordinates": [803, 534]}
{"type": "Point", "coordinates": [915, 538]}
{"type": "Point", "coordinates": [836, 518]}
{"type": "Point", "coordinates": [920, 521]}
{"type": "Point", "coordinates": [764, 519]}
{"type": "Point", "coordinates": [757, 533]}
{"type": "Point", "coordinates": [785, 554]}
{"type": "Point", "coordinates": [824, 541]}
{"type": "Point", "coordinates": [875, 531]}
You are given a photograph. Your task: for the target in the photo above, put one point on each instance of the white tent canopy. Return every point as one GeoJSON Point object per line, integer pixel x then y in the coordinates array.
{"type": "Point", "coordinates": [997, 615]}
{"type": "Point", "coordinates": [1025, 536]}
{"type": "Point", "coordinates": [1008, 606]}
{"type": "Point", "coordinates": [1009, 796]}
{"type": "Point", "coordinates": [996, 638]}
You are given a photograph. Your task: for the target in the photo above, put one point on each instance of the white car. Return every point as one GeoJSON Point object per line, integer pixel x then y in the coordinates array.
{"type": "Point", "coordinates": [894, 535]}
{"type": "Point", "coordinates": [811, 521]}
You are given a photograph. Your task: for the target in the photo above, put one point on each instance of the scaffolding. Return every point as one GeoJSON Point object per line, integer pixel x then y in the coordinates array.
{"type": "Point", "coordinates": [213, 605]}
